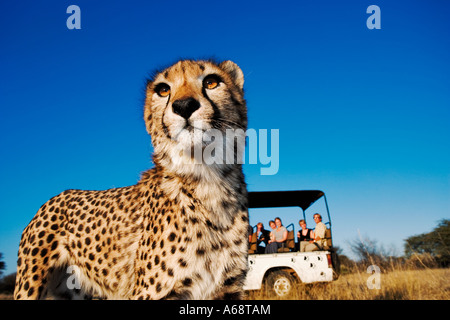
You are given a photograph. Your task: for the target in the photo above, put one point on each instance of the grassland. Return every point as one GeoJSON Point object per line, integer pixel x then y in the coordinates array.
{"type": "Point", "coordinates": [420, 284]}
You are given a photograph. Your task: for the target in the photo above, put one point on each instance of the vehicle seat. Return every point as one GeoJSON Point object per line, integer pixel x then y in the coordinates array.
{"type": "Point", "coordinates": [289, 245]}
{"type": "Point", "coordinates": [253, 244]}
{"type": "Point", "coordinates": [328, 238]}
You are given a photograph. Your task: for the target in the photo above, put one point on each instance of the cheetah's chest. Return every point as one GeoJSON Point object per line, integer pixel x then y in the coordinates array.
{"type": "Point", "coordinates": [188, 252]}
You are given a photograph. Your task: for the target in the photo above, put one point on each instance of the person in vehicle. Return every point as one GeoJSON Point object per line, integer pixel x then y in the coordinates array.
{"type": "Point", "coordinates": [304, 236]}
{"type": "Point", "coordinates": [319, 241]}
{"type": "Point", "coordinates": [278, 237]}
{"type": "Point", "coordinates": [262, 237]}
{"type": "Point", "coordinates": [273, 226]}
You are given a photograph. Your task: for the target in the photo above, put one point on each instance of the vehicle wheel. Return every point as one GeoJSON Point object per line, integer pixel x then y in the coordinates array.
{"type": "Point", "coordinates": [280, 283]}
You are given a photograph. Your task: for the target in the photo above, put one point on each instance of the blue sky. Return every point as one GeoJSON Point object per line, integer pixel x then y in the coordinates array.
{"type": "Point", "coordinates": [362, 114]}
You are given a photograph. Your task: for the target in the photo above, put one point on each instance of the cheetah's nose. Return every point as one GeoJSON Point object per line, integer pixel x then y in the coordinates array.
{"type": "Point", "coordinates": [185, 107]}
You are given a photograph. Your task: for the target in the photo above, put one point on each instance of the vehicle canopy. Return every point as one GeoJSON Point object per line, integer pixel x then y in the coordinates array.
{"type": "Point", "coordinates": [298, 198]}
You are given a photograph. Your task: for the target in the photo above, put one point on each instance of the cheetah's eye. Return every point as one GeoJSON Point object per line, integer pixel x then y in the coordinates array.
{"type": "Point", "coordinates": [162, 89]}
{"type": "Point", "coordinates": [211, 81]}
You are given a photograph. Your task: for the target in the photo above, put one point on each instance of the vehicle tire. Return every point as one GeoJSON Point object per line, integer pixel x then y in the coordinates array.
{"type": "Point", "coordinates": [280, 284]}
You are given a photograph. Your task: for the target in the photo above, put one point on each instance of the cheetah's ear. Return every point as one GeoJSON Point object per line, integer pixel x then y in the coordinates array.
{"type": "Point", "coordinates": [234, 71]}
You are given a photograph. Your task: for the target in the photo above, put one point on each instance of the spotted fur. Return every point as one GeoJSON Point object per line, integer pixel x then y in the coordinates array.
{"type": "Point", "coordinates": [179, 233]}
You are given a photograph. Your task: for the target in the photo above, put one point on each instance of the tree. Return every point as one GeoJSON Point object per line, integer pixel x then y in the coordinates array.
{"type": "Point", "coordinates": [365, 249]}
{"type": "Point", "coordinates": [369, 252]}
{"type": "Point", "coordinates": [435, 243]}
{"type": "Point", "coordinates": [2, 265]}
{"type": "Point", "coordinates": [7, 284]}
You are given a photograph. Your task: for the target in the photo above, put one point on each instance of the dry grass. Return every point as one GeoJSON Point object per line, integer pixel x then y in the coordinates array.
{"type": "Point", "coordinates": [425, 284]}
{"type": "Point", "coordinates": [5, 296]}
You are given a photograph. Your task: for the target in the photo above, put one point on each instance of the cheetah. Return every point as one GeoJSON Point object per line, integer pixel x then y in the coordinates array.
{"type": "Point", "coordinates": [179, 233]}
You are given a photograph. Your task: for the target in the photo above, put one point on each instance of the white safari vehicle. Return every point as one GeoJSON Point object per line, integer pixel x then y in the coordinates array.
{"type": "Point", "coordinates": [279, 273]}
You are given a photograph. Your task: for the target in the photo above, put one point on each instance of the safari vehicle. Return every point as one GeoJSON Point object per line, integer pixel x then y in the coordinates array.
{"type": "Point", "coordinates": [280, 272]}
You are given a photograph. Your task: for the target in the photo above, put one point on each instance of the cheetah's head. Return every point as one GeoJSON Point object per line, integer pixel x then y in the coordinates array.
{"type": "Point", "coordinates": [192, 110]}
